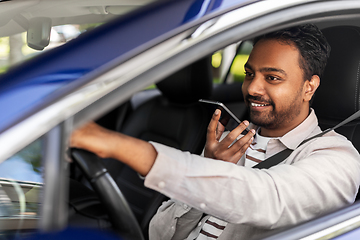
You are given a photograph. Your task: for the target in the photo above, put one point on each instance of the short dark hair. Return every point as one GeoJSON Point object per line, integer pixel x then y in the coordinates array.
{"type": "Point", "coordinates": [311, 43]}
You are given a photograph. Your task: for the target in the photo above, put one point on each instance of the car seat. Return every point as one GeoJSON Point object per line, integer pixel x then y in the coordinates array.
{"type": "Point", "coordinates": [174, 118]}
{"type": "Point", "coordinates": [338, 96]}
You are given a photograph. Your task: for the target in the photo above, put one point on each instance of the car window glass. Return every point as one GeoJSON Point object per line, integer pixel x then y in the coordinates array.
{"type": "Point", "coordinates": [21, 183]}
{"type": "Point", "coordinates": [216, 62]}
{"type": "Point", "coordinates": [228, 63]}
{"type": "Point", "coordinates": [28, 28]}
{"type": "Point", "coordinates": [14, 50]}
{"type": "Point", "coordinates": [237, 72]}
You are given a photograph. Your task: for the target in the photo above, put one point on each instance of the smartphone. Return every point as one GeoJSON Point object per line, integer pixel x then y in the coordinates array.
{"type": "Point", "coordinates": [227, 118]}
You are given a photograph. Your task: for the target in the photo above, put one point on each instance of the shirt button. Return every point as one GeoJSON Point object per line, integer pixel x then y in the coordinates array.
{"type": "Point", "coordinates": [199, 224]}
{"type": "Point", "coordinates": [161, 184]}
{"type": "Point", "coordinates": [172, 227]}
{"type": "Point", "coordinates": [185, 206]}
{"type": "Point", "coordinates": [202, 205]}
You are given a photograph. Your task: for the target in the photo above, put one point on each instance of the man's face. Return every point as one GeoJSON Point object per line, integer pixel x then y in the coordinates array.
{"type": "Point", "coordinates": [274, 87]}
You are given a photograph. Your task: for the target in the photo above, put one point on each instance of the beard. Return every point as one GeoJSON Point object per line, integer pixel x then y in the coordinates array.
{"type": "Point", "coordinates": [275, 118]}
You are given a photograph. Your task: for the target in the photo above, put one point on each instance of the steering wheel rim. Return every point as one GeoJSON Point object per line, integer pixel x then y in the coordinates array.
{"type": "Point", "coordinates": [117, 207]}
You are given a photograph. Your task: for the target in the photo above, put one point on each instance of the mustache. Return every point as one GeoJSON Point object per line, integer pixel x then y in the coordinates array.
{"type": "Point", "coordinates": [259, 99]}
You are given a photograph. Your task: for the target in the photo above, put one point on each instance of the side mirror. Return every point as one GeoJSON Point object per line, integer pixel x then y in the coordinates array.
{"type": "Point", "coordinates": [38, 34]}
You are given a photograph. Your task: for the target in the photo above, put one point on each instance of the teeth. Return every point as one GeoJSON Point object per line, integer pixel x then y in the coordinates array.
{"type": "Point", "coordinates": [258, 105]}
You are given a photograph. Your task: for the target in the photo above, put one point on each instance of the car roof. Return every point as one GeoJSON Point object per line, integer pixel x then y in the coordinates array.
{"type": "Point", "coordinates": [38, 82]}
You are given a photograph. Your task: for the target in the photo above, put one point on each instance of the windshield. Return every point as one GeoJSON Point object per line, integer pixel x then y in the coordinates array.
{"type": "Point", "coordinates": [28, 28]}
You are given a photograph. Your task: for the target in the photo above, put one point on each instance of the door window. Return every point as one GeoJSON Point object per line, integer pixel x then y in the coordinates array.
{"type": "Point", "coordinates": [21, 184]}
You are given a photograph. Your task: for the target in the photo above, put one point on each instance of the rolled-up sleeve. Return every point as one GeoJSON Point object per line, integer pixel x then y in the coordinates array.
{"type": "Point", "coordinates": [326, 178]}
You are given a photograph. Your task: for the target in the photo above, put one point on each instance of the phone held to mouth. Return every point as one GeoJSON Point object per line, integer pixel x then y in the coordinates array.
{"type": "Point", "coordinates": [227, 118]}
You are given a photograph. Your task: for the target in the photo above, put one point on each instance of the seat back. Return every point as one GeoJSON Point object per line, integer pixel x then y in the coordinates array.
{"type": "Point", "coordinates": [174, 118]}
{"type": "Point", "coordinates": [339, 93]}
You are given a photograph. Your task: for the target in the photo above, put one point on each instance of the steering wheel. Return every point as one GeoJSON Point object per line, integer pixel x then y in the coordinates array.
{"type": "Point", "coordinates": [120, 214]}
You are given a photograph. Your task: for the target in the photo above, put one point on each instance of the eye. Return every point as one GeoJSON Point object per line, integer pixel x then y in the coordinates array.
{"type": "Point", "coordinates": [248, 74]}
{"type": "Point", "coordinates": [273, 78]}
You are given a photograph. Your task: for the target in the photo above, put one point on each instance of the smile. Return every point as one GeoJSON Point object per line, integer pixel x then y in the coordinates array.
{"type": "Point", "coordinates": [258, 105]}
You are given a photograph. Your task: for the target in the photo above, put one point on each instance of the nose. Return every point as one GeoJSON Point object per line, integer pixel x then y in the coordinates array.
{"type": "Point", "coordinates": [255, 86]}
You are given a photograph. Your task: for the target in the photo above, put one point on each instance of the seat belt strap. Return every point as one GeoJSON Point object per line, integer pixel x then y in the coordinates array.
{"type": "Point", "coordinates": [281, 156]}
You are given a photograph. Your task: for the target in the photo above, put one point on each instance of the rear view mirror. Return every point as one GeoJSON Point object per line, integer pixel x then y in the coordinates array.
{"type": "Point", "coordinates": [38, 34]}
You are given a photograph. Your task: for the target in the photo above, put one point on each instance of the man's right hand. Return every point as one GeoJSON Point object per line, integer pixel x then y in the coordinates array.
{"type": "Point", "coordinates": [138, 154]}
{"type": "Point", "coordinates": [93, 138]}
{"type": "Point", "coordinates": [223, 150]}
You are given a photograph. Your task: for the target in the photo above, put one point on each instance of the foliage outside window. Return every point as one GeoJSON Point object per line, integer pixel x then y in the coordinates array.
{"type": "Point", "coordinates": [237, 73]}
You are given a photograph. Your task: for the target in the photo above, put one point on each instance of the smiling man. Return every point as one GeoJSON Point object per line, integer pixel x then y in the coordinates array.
{"type": "Point", "coordinates": [272, 77]}
{"type": "Point", "coordinates": [240, 202]}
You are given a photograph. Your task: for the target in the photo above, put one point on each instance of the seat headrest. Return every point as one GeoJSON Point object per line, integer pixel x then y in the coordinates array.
{"type": "Point", "coordinates": [339, 93]}
{"type": "Point", "coordinates": [189, 84]}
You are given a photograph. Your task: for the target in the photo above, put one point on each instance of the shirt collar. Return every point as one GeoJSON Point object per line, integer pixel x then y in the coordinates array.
{"type": "Point", "coordinates": [293, 138]}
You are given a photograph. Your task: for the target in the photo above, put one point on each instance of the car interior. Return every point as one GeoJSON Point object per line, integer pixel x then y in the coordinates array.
{"type": "Point", "coordinates": [338, 96]}
{"type": "Point", "coordinates": [171, 114]}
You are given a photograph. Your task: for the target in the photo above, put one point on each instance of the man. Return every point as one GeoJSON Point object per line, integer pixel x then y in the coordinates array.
{"type": "Point", "coordinates": [282, 75]}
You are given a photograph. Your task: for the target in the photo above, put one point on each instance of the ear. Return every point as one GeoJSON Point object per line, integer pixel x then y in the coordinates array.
{"type": "Point", "coordinates": [310, 87]}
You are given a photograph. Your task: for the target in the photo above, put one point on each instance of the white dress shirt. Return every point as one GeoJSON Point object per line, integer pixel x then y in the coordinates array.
{"type": "Point", "coordinates": [319, 176]}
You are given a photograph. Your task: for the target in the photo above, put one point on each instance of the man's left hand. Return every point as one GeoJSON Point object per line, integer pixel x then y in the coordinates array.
{"type": "Point", "coordinates": [229, 149]}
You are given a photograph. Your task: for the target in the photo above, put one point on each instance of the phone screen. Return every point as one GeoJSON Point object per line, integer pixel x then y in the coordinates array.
{"type": "Point", "coordinates": [227, 118]}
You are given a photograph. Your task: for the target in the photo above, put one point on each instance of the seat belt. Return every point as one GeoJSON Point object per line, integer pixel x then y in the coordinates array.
{"type": "Point", "coordinates": [281, 156]}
